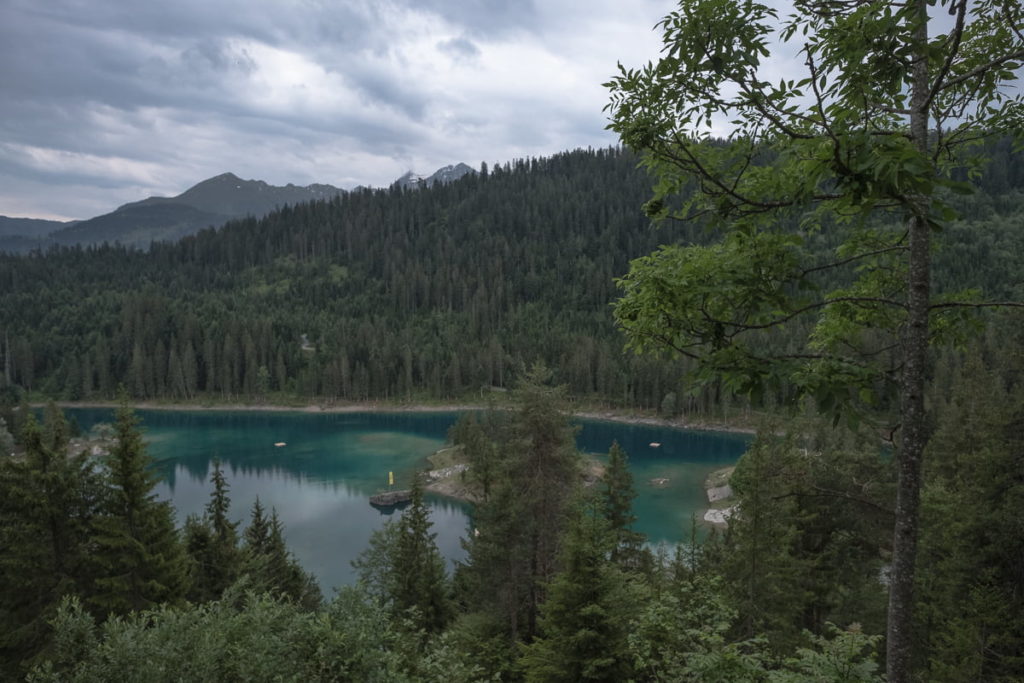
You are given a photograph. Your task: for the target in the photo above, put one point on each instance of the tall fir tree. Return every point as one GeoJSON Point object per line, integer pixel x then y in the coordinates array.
{"type": "Point", "coordinates": [417, 570]}
{"type": "Point", "coordinates": [270, 566]}
{"type": "Point", "coordinates": [584, 623]}
{"type": "Point", "coordinates": [212, 543]}
{"type": "Point", "coordinates": [139, 558]}
{"type": "Point", "coordinates": [257, 535]}
{"type": "Point", "coordinates": [971, 584]}
{"type": "Point", "coordinates": [617, 505]}
{"type": "Point", "coordinates": [514, 554]}
{"type": "Point", "coordinates": [47, 500]}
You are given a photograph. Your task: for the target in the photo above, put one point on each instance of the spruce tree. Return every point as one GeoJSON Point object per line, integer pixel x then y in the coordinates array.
{"type": "Point", "coordinates": [139, 557]}
{"type": "Point", "coordinates": [971, 585]}
{"type": "Point", "coordinates": [47, 500]}
{"type": "Point", "coordinates": [585, 620]}
{"type": "Point", "coordinates": [618, 494]}
{"type": "Point", "coordinates": [417, 570]}
{"type": "Point", "coordinates": [257, 534]}
{"type": "Point", "coordinates": [6, 440]}
{"type": "Point", "coordinates": [269, 564]}
{"type": "Point", "coordinates": [514, 554]}
{"type": "Point", "coordinates": [212, 543]}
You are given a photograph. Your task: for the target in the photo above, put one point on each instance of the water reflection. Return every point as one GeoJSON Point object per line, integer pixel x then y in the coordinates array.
{"type": "Point", "coordinates": [320, 480]}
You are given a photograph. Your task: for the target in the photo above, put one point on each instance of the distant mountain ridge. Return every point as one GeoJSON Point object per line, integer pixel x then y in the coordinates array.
{"type": "Point", "coordinates": [229, 195]}
{"type": "Point", "coordinates": [445, 174]}
{"type": "Point", "coordinates": [212, 202]}
{"type": "Point", "coordinates": [31, 228]}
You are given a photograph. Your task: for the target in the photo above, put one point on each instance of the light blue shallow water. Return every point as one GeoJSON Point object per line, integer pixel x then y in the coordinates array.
{"type": "Point", "coordinates": [320, 481]}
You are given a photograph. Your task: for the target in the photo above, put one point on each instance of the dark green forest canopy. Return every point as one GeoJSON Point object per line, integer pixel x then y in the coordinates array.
{"type": "Point", "coordinates": [433, 293]}
{"type": "Point", "coordinates": [401, 294]}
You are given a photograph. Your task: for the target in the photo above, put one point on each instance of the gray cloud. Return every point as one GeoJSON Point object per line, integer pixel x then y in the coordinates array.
{"type": "Point", "coordinates": [460, 48]}
{"type": "Point", "coordinates": [108, 101]}
{"type": "Point", "coordinates": [486, 17]}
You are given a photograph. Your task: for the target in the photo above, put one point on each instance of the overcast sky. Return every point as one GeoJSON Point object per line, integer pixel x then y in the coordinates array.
{"type": "Point", "coordinates": [103, 102]}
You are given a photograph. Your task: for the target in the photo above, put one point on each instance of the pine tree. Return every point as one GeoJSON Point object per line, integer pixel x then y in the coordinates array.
{"type": "Point", "coordinates": [417, 570]}
{"type": "Point", "coordinates": [212, 543]}
{"type": "Point", "coordinates": [257, 534]}
{"type": "Point", "coordinates": [515, 553]}
{"type": "Point", "coordinates": [618, 495]}
{"type": "Point", "coordinates": [140, 560]}
{"type": "Point", "coordinates": [269, 564]}
{"type": "Point", "coordinates": [47, 500]}
{"type": "Point", "coordinates": [6, 440]}
{"type": "Point", "coordinates": [585, 620]}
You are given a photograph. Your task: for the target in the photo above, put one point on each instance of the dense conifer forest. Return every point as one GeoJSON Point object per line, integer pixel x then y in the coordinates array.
{"type": "Point", "coordinates": [428, 294]}
{"type": "Point", "coordinates": [439, 293]}
{"type": "Point", "coordinates": [845, 268]}
{"type": "Point", "coordinates": [435, 294]}
{"type": "Point", "coordinates": [98, 585]}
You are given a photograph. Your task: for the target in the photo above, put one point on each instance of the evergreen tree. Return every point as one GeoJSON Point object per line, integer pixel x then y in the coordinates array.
{"type": "Point", "coordinates": [770, 587]}
{"type": "Point", "coordinates": [513, 553]}
{"type": "Point", "coordinates": [618, 494]}
{"type": "Point", "coordinates": [417, 570]}
{"type": "Point", "coordinates": [475, 437]}
{"type": "Point", "coordinates": [971, 583]}
{"type": "Point", "coordinates": [212, 543]}
{"type": "Point", "coordinates": [585, 620]}
{"type": "Point", "coordinates": [56, 431]}
{"type": "Point", "coordinates": [804, 544]}
{"type": "Point", "coordinates": [47, 501]}
{"type": "Point", "coordinates": [139, 558]}
{"type": "Point", "coordinates": [373, 565]}
{"type": "Point", "coordinates": [6, 440]}
{"type": "Point", "coordinates": [257, 534]}
{"type": "Point", "coordinates": [269, 564]}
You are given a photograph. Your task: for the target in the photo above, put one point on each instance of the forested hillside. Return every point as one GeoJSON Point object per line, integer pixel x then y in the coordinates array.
{"type": "Point", "coordinates": [401, 294]}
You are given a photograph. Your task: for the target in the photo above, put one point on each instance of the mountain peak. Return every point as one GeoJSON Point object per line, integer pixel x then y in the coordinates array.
{"type": "Point", "coordinates": [443, 175]}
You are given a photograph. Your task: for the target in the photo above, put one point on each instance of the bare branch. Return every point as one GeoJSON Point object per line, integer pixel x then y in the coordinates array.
{"type": "Point", "coordinates": [705, 174]}
{"type": "Point", "coordinates": [837, 264]}
{"type": "Point", "coordinates": [1009, 22]}
{"type": "Point", "coordinates": [740, 327]}
{"type": "Point", "coordinates": [855, 499]}
{"type": "Point", "coordinates": [979, 70]}
{"type": "Point", "coordinates": [783, 126]}
{"type": "Point", "coordinates": [984, 304]}
{"type": "Point", "coordinates": [957, 35]}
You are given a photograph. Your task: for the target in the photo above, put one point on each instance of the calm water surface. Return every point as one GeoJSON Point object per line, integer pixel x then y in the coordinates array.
{"type": "Point", "coordinates": [319, 482]}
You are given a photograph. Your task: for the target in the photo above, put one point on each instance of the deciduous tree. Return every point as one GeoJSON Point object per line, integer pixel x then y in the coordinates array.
{"type": "Point", "coordinates": [863, 143]}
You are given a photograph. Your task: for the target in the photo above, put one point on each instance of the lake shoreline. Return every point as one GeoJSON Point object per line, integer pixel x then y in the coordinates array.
{"type": "Point", "coordinates": [383, 407]}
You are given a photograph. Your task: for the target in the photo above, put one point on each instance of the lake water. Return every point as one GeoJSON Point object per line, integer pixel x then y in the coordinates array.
{"type": "Point", "coordinates": [319, 482]}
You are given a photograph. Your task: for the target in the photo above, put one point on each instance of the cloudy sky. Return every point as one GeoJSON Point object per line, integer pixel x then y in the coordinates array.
{"type": "Point", "coordinates": [103, 102]}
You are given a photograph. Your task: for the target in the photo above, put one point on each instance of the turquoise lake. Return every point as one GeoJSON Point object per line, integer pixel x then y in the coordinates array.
{"type": "Point", "coordinates": [320, 480]}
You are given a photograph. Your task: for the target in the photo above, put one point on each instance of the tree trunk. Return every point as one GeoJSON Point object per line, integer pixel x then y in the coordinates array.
{"type": "Point", "coordinates": [913, 436]}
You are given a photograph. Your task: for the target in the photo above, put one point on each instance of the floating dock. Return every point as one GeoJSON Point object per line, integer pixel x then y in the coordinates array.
{"type": "Point", "coordinates": [390, 498]}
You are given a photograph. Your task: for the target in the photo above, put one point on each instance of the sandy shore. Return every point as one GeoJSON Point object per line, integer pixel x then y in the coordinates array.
{"type": "Point", "coordinates": [385, 407]}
